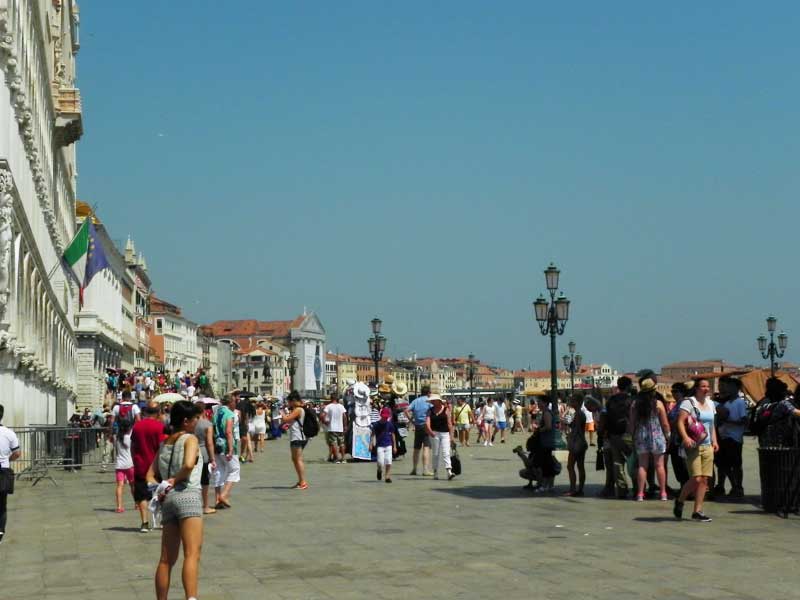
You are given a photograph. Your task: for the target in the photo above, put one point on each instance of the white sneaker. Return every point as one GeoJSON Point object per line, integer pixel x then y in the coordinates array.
{"type": "Point", "coordinates": [485, 443]}
{"type": "Point", "coordinates": [491, 444]}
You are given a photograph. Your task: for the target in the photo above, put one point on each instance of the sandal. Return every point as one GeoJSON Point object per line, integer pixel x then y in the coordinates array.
{"type": "Point", "coordinates": [302, 486]}
{"type": "Point", "coordinates": [209, 511]}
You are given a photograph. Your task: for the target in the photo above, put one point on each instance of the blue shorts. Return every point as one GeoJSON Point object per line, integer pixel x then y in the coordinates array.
{"type": "Point", "coordinates": [501, 425]}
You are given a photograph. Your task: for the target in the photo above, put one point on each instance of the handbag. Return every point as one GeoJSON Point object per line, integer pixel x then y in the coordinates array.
{"type": "Point", "coordinates": [694, 427]}
{"type": "Point", "coordinates": [6, 481]}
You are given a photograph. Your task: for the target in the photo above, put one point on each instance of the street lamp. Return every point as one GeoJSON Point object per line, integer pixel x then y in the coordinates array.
{"type": "Point", "coordinates": [291, 362]}
{"type": "Point", "coordinates": [552, 317]}
{"type": "Point", "coordinates": [471, 371]}
{"type": "Point", "coordinates": [377, 345]}
{"type": "Point", "coordinates": [768, 348]}
{"type": "Point", "coordinates": [572, 363]}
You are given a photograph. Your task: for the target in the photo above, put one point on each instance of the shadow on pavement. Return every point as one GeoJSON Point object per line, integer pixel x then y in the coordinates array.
{"type": "Point", "coordinates": [656, 519]}
{"type": "Point", "coordinates": [493, 492]}
{"type": "Point", "coordinates": [122, 529]}
{"type": "Point", "coordinates": [104, 510]}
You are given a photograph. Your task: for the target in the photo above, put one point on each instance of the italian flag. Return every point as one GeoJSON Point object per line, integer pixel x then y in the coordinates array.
{"type": "Point", "coordinates": [75, 255]}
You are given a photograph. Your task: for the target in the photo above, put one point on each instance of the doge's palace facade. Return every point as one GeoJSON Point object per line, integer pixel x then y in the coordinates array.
{"type": "Point", "coordinates": [40, 121]}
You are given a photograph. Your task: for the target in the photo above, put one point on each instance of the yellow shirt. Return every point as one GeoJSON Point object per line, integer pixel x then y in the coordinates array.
{"type": "Point", "coordinates": [462, 414]}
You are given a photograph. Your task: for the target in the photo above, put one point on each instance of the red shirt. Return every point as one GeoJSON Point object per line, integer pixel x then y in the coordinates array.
{"type": "Point", "coordinates": [146, 437]}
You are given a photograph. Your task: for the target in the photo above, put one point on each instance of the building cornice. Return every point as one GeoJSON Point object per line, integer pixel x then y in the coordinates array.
{"type": "Point", "coordinates": [17, 82]}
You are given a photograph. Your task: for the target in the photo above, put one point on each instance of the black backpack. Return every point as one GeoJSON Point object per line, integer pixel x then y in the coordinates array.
{"type": "Point", "coordinates": [310, 424]}
{"type": "Point", "coordinates": [617, 414]}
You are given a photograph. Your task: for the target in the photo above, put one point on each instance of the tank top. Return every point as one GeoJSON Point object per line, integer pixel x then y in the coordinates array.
{"type": "Point", "coordinates": [260, 419]}
{"type": "Point", "coordinates": [296, 428]}
{"type": "Point", "coordinates": [439, 422]}
{"type": "Point", "coordinates": [173, 454]}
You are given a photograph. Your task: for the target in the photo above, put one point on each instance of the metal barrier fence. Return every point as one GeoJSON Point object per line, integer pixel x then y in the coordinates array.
{"type": "Point", "coordinates": [46, 447]}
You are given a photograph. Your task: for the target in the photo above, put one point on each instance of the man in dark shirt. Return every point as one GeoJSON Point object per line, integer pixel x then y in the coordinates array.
{"type": "Point", "coordinates": [146, 437]}
{"type": "Point", "coordinates": [615, 429]}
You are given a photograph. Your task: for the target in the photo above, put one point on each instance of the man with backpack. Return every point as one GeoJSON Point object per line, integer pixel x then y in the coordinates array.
{"type": "Point", "coordinates": [615, 428]}
{"type": "Point", "coordinates": [226, 448]}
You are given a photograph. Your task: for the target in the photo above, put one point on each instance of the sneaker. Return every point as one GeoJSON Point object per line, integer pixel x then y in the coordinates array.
{"type": "Point", "coordinates": [450, 476]}
{"type": "Point", "coordinates": [428, 473]}
{"type": "Point", "coordinates": [639, 497]}
{"type": "Point", "coordinates": [436, 474]}
{"type": "Point", "coordinates": [388, 480]}
{"type": "Point", "coordinates": [502, 441]}
{"type": "Point", "coordinates": [491, 443]}
{"type": "Point", "coordinates": [2, 533]}
{"type": "Point", "coordinates": [413, 472]}
{"type": "Point", "coordinates": [485, 443]}
{"type": "Point", "coordinates": [144, 528]}
{"type": "Point", "coordinates": [664, 497]}
{"type": "Point", "coordinates": [698, 516]}
{"type": "Point", "coordinates": [379, 475]}
{"type": "Point", "coordinates": [736, 493]}
{"type": "Point", "coordinates": [517, 450]}
{"type": "Point", "coordinates": [677, 510]}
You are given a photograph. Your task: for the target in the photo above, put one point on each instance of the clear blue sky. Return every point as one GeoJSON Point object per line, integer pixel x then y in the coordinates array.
{"type": "Point", "coordinates": [424, 162]}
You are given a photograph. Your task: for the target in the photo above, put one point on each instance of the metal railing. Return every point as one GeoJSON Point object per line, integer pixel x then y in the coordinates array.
{"type": "Point", "coordinates": [46, 447]}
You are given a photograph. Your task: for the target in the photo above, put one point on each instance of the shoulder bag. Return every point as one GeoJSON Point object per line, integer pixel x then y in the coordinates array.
{"type": "Point", "coordinates": [694, 427]}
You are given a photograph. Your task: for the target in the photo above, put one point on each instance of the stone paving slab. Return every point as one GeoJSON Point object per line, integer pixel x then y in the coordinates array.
{"type": "Point", "coordinates": [350, 536]}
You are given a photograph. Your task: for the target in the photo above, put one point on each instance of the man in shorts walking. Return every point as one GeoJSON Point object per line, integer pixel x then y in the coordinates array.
{"type": "Point", "coordinates": [226, 440]}
{"type": "Point", "coordinates": [417, 412]}
{"type": "Point", "coordinates": [146, 437]}
{"type": "Point", "coordinates": [334, 416]}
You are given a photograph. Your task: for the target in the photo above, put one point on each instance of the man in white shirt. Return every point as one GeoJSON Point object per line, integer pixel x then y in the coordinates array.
{"type": "Point", "coordinates": [334, 416]}
{"type": "Point", "coordinates": [9, 451]}
{"type": "Point", "coordinates": [500, 420]}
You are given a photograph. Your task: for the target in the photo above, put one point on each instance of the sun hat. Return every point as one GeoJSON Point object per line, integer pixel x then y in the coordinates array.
{"type": "Point", "coordinates": [647, 385]}
{"type": "Point", "coordinates": [435, 398]}
{"type": "Point", "coordinates": [384, 388]}
{"type": "Point", "coordinates": [361, 390]}
{"type": "Point", "coordinates": [388, 379]}
{"type": "Point", "coordinates": [399, 388]}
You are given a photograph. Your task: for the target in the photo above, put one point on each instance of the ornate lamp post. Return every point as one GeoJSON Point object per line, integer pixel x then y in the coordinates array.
{"type": "Point", "coordinates": [572, 363]}
{"type": "Point", "coordinates": [552, 317]}
{"type": "Point", "coordinates": [291, 362]}
{"type": "Point", "coordinates": [377, 345]}
{"type": "Point", "coordinates": [471, 371]}
{"type": "Point", "coordinates": [768, 348]}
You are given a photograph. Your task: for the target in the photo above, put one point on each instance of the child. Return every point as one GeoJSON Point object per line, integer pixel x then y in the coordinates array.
{"type": "Point", "coordinates": [124, 464]}
{"type": "Point", "coordinates": [384, 438]}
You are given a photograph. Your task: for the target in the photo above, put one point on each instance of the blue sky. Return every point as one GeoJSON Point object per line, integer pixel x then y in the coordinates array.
{"type": "Point", "coordinates": [424, 162]}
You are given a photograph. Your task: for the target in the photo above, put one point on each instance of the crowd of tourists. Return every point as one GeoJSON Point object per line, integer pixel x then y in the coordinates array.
{"type": "Point", "coordinates": [170, 454]}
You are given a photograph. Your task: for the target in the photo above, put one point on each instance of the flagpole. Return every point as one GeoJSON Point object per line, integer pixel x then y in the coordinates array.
{"type": "Point", "coordinates": [92, 212]}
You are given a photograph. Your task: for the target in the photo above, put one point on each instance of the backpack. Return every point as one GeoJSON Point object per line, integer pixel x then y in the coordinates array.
{"type": "Point", "coordinates": [125, 417]}
{"type": "Point", "coordinates": [617, 412]}
{"type": "Point", "coordinates": [220, 439]}
{"type": "Point", "coordinates": [310, 425]}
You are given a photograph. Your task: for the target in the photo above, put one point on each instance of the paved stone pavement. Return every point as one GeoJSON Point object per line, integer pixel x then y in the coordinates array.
{"type": "Point", "coordinates": [349, 536]}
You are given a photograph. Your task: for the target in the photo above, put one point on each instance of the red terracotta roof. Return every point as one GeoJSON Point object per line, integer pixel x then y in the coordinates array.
{"type": "Point", "coordinates": [245, 328]}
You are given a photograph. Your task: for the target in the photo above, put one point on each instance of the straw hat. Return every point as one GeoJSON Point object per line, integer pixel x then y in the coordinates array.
{"type": "Point", "coordinates": [384, 388]}
{"type": "Point", "coordinates": [388, 379]}
{"type": "Point", "coordinates": [647, 385]}
{"type": "Point", "coordinates": [399, 388]}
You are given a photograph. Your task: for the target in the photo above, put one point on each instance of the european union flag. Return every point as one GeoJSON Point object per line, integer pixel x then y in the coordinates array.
{"type": "Point", "coordinates": [96, 259]}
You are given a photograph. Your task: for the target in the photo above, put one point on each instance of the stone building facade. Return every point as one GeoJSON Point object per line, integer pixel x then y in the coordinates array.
{"type": "Point", "coordinates": [40, 120]}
